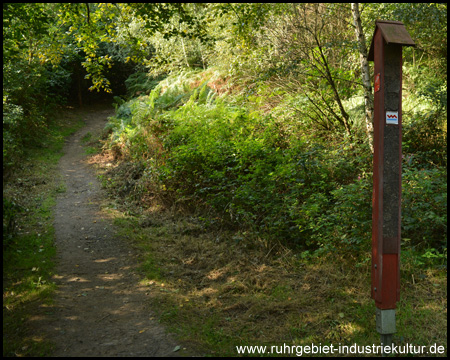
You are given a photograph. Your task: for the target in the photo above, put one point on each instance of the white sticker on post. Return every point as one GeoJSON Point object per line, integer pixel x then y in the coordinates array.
{"type": "Point", "coordinates": [392, 117]}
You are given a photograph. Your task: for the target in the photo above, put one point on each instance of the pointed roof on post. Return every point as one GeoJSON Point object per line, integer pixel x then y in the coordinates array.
{"type": "Point", "coordinates": [393, 32]}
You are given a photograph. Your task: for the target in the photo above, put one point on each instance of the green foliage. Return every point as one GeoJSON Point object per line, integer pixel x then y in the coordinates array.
{"type": "Point", "coordinates": [426, 141]}
{"type": "Point", "coordinates": [285, 156]}
{"type": "Point", "coordinates": [425, 125]}
{"type": "Point", "coordinates": [342, 220]}
{"type": "Point", "coordinates": [31, 88]}
{"type": "Point", "coordinates": [424, 206]}
{"type": "Point", "coordinates": [12, 146]}
{"type": "Point", "coordinates": [208, 152]}
{"type": "Point", "coordinates": [140, 83]}
{"type": "Point", "coordinates": [426, 22]}
{"type": "Point", "coordinates": [25, 104]}
{"type": "Point", "coordinates": [10, 212]}
{"type": "Point", "coordinates": [257, 172]}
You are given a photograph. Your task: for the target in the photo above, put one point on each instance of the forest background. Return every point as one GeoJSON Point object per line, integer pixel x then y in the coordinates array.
{"type": "Point", "coordinates": [254, 118]}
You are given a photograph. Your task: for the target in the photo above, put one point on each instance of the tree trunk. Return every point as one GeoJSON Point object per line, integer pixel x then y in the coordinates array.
{"type": "Point", "coordinates": [365, 74]}
{"type": "Point", "coordinates": [184, 52]}
{"type": "Point", "coordinates": [79, 70]}
{"type": "Point", "coordinates": [337, 98]}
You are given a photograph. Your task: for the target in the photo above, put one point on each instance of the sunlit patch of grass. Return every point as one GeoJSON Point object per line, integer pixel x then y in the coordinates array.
{"type": "Point", "coordinates": [217, 294]}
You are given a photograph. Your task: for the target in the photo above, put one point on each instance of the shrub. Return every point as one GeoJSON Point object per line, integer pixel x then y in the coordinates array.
{"type": "Point", "coordinates": [10, 211]}
{"type": "Point", "coordinates": [141, 83]}
{"type": "Point", "coordinates": [205, 152]}
{"type": "Point", "coordinates": [202, 152]}
{"type": "Point", "coordinates": [424, 207]}
{"type": "Point", "coordinates": [341, 220]}
{"type": "Point", "coordinates": [12, 145]}
{"type": "Point", "coordinates": [30, 92]}
{"type": "Point", "coordinates": [425, 139]}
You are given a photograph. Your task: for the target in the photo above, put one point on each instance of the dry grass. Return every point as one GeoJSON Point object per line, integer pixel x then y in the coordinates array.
{"type": "Point", "coordinates": [219, 289]}
{"type": "Point", "coordinates": [218, 293]}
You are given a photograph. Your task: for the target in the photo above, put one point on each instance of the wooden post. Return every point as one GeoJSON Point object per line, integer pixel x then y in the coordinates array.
{"type": "Point", "coordinates": [386, 52]}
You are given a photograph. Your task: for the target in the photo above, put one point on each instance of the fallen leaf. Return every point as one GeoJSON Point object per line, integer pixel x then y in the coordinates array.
{"type": "Point", "coordinates": [176, 348]}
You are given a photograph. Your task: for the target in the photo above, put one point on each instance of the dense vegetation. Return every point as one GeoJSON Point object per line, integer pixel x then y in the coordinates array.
{"type": "Point", "coordinates": [259, 118]}
{"type": "Point", "coordinates": [250, 116]}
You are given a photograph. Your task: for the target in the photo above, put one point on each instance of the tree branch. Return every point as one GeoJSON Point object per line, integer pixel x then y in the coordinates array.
{"type": "Point", "coordinates": [88, 13]}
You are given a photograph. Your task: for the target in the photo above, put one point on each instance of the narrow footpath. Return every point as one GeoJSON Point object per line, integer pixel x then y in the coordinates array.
{"type": "Point", "coordinates": [100, 307]}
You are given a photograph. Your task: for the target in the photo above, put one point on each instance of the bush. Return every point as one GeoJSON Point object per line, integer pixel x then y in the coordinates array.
{"type": "Point", "coordinates": [424, 138]}
{"type": "Point", "coordinates": [202, 152]}
{"type": "Point", "coordinates": [341, 220]}
{"type": "Point", "coordinates": [424, 207]}
{"type": "Point", "coordinates": [141, 83]}
{"type": "Point", "coordinates": [10, 211]}
{"type": "Point", "coordinates": [30, 92]}
{"type": "Point", "coordinates": [12, 145]}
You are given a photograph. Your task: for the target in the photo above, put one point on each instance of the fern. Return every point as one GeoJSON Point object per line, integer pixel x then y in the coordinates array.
{"type": "Point", "coordinates": [141, 83]}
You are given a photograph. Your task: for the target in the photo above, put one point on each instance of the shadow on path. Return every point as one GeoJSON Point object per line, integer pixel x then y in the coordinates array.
{"type": "Point", "coordinates": [100, 307]}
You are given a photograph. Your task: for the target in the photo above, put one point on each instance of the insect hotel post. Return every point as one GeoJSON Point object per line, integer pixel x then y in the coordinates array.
{"type": "Point", "coordinates": [386, 53]}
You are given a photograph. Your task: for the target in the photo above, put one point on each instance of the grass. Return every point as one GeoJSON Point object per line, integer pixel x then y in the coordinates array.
{"type": "Point", "coordinates": [28, 256]}
{"type": "Point", "coordinates": [218, 289]}
{"type": "Point", "coordinates": [216, 293]}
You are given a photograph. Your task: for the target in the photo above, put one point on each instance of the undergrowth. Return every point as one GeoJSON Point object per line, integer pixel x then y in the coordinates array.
{"type": "Point", "coordinates": [196, 151]}
{"type": "Point", "coordinates": [265, 238]}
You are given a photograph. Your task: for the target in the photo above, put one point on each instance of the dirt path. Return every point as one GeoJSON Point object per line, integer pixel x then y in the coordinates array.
{"type": "Point", "coordinates": [100, 307]}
